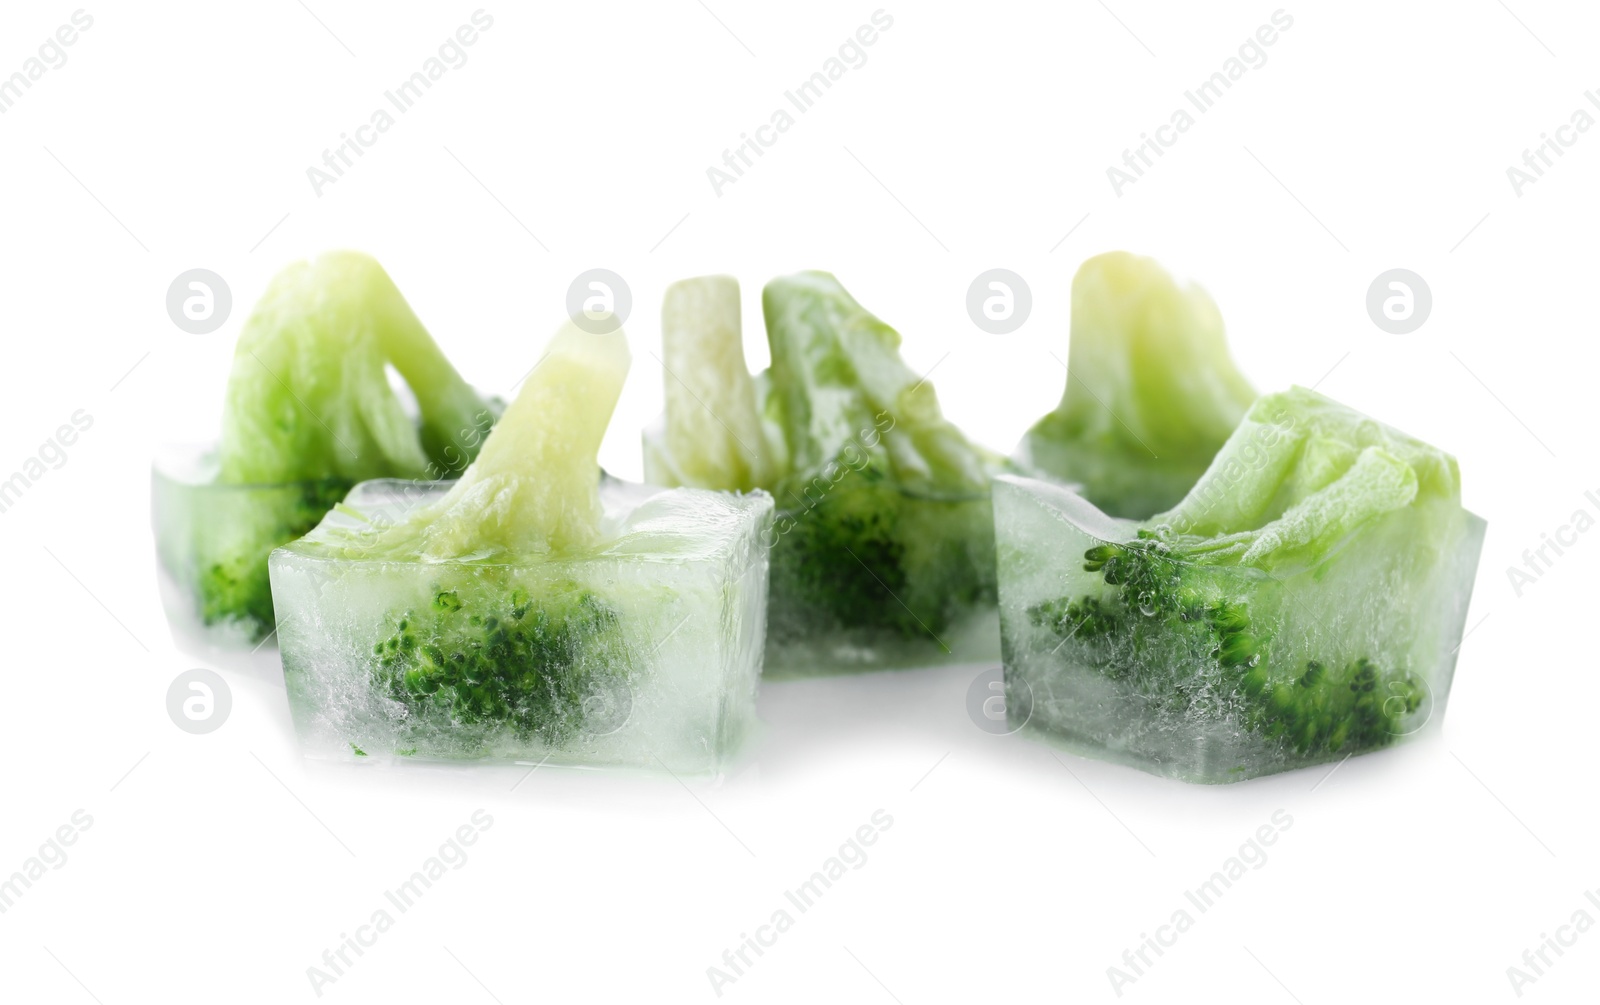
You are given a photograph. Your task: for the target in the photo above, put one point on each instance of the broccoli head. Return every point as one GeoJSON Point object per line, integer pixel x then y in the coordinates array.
{"type": "Point", "coordinates": [886, 502]}
{"type": "Point", "coordinates": [1163, 617]}
{"type": "Point", "coordinates": [489, 653]}
{"type": "Point", "coordinates": [1312, 515]}
{"type": "Point", "coordinates": [233, 585]}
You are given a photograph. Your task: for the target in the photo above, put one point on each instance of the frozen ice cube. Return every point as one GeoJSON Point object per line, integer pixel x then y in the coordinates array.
{"type": "Point", "coordinates": [212, 543]}
{"type": "Point", "coordinates": [884, 542]}
{"type": "Point", "coordinates": [870, 575]}
{"type": "Point", "coordinates": [1292, 610]}
{"type": "Point", "coordinates": [643, 651]}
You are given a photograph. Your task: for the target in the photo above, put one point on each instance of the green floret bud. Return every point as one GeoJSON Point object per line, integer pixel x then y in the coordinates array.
{"type": "Point", "coordinates": [1236, 650]}
{"type": "Point", "coordinates": [1315, 713]}
{"type": "Point", "coordinates": [541, 678]}
{"type": "Point", "coordinates": [236, 589]}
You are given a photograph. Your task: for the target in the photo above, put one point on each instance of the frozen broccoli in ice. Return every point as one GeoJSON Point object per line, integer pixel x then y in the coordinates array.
{"type": "Point", "coordinates": [486, 651]}
{"type": "Point", "coordinates": [309, 398]}
{"type": "Point", "coordinates": [1302, 602]}
{"type": "Point", "coordinates": [536, 666]}
{"type": "Point", "coordinates": [309, 412]}
{"type": "Point", "coordinates": [233, 587]}
{"type": "Point", "coordinates": [526, 608]}
{"type": "Point", "coordinates": [1151, 390]}
{"type": "Point", "coordinates": [1171, 614]}
{"type": "Point", "coordinates": [887, 493]}
{"type": "Point", "coordinates": [884, 536]}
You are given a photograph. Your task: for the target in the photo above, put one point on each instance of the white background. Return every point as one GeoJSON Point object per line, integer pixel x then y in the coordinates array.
{"type": "Point", "coordinates": [1377, 135]}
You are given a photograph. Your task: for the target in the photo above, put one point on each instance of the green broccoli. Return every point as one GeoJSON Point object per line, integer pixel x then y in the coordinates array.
{"type": "Point", "coordinates": [836, 377]}
{"type": "Point", "coordinates": [1310, 589]}
{"type": "Point", "coordinates": [535, 486]}
{"type": "Point", "coordinates": [546, 669]}
{"type": "Point", "coordinates": [494, 649]}
{"type": "Point", "coordinates": [234, 586]}
{"type": "Point", "coordinates": [713, 436]}
{"type": "Point", "coordinates": [309, 397]}
{"type": "Point", "coordinates": [889, 498]}
{"type": "Point", "coordinates": [1163, 618]}
{"type": "Point", "coordinates": [884, 525]}
{"type": "Point", "coordinates": [1151, 391]}
{"type": "Point", "coordinates": [309, 412]}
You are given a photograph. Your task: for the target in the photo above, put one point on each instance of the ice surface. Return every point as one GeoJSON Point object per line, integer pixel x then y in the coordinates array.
{"type": "Point", "coordinates": [212, 543]}
{"type": "Point", "coordinates": [1247, 671]}
{"type": "Point", "coordinates": [645, 651]}
{"type": "Point", "coordinates": [874, 576]}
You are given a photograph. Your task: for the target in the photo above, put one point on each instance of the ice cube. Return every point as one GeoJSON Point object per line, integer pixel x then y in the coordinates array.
{"type": "Point", "coordinates": [643, 651]}
{"type": "Point", "coordinates": [867, 574]}
{"type": "Point", "coordinates": [335, 381]}
{"type": "Point", "coordinates": [1305, 602]}
{"type": "Point", "coordinates": [212, 543]}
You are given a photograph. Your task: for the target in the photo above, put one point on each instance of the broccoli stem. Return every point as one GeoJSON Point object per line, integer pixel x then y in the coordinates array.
{"type": "Point", "coordinates": [713, 428]}
{"type": "Point", "coordinates": [454, 418]}
{"type": "Point", "coordinates": [535, 486]}
{"type": "Point", "coordinates": [837, 371]}
{"type": "Point", "coordinates": [1151, 393]}
{"type": "Point", "coordinates": [309, 395]}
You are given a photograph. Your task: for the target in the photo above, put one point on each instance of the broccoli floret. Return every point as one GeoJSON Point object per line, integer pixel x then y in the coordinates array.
{"type": "Point", "coordinates": [1193, 604]}
{"type": "Point", "coordinates": [1163, 614]}
{"type": "Point", "coordinates": [1151, 392]}
{"type": "Point", "coordinates": [870, 555]}
{"type": "Point", "coordinates": [542, 660]}
{"type": "Point", "coordinates": [309, 412]}
{"type": "Point", "coordinates": [234, 588]}
{"type": "Point", "coordinates": [546, 667]}
{"type": "Point", "coordinates": [847, 554]}
{"type": "Point", "coordinates": [309, 397]}
{"type": "Point", "coordinates": [901, 535]}
{"type": "Point", "coordinates": [884, 520]}
{"type": "Point", "coordinates": [837, 378]}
